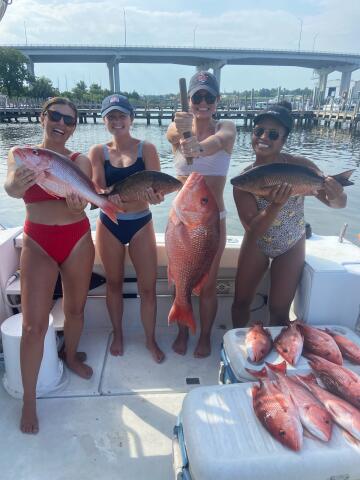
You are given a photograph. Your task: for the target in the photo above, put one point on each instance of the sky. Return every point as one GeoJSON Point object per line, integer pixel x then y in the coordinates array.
{"type": "Point", "coordinates": [320, 25]}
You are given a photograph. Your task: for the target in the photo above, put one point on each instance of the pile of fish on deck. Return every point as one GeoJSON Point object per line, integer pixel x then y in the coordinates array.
{"type": "Point", "coordinates": [291, 406]}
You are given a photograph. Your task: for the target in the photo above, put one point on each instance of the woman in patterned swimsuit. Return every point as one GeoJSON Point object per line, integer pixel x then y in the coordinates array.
{"type": "Point", "coordinates": [274, 226]}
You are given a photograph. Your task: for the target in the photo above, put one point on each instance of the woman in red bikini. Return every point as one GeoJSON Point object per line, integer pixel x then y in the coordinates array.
{"type": "Point", "coordinates": [57, 238]}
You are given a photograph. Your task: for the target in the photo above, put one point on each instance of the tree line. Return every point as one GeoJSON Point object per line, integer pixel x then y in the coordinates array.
{"type": "Point", "coordinates": [17, 81]}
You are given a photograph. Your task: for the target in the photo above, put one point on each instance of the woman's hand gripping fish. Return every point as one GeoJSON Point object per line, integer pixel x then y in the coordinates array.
{"type": "Point", "coordinates": [60, 176]}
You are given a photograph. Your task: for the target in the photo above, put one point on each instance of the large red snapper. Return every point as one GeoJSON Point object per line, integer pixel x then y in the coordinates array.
{"type": "Point", "coordinates": [278, 414]}
{"type": "Point", "coordinates": [342, 412]}
{"type": "Point", "coordinates": [349, 349]}
{"type": "Point", "coordinates": [59, 176]}
{"type": "Point", "coordinates": [289, 343]}
{"type": "Point", "coordinates": [337, 379]}
{"type": "Point", "coordinates": [258, 342]}
{"type": "Point", "coordinates": [320, 343]}
{"type": "Point", "coordinates": [191, 241]}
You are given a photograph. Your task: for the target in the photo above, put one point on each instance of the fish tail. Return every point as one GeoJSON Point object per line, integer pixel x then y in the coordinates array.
{"type": "Point", "coordinates": [343, 178]}
{"type": "Point", "coordinates": [111, 210]}
{"type": "Point", "coordinates": [182, 315]}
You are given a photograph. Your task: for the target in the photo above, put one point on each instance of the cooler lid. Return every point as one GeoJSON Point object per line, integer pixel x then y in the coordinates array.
{"type": "Point", "coordinates": [234, 346]}
{"type": "Point", "coordinates": [225, 440]}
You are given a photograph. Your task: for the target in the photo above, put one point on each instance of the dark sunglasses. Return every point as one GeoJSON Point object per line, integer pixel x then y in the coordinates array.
{"type": "Point", "coordinates": [199, 97]}
{"type": "Point", "coordinates": [57, 116]}
{"type": "Point", "coordinates": [272, 134]}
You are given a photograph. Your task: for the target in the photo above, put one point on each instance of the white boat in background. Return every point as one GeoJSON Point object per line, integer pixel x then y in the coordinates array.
{"type": "Point", "coordinates": [120, 423]}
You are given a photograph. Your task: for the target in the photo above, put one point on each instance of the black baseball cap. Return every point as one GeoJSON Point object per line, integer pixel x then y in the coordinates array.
{"type": "Point", "coordinates": [116, 102]}
{"type": "Point", "coordinates": [279, 113]}
{"type": "Point", "coordinates": [203, 80]}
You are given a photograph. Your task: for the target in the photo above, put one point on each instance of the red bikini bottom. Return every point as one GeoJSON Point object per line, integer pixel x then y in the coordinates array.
{"type": "Point", "coordinates": [57, 240]}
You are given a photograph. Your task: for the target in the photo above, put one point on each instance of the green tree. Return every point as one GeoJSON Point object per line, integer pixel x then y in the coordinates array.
{"type": "Point", "coordinates": [13, 71]}
{"type": "Point", "coordinates": [80, 90]}
{"type": "Point", "coordinates": [42, 87]}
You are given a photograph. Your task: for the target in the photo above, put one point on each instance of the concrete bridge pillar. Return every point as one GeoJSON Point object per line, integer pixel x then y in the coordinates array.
{"type": "Point", "coordinates": [323, 75]}
{"type": "Point", "coordinates": [346, 78]}
{"type": "Point", "coordinates": [110, 66]}
{"type": "Point", "coordinates": [117, 77]}
{"type": "Point", "coordinates": [30, 66]}
{"type": "Point", "coordinates": [215, 67]}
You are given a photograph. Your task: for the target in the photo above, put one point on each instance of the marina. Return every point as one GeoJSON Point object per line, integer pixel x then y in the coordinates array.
{"type": "Point", "coordinates": [29, 110]}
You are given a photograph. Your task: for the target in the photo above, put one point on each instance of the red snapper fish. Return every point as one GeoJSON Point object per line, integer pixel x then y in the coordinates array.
{"type": "Point", "coordinates": [320, 343]}
{"type": "Point", "coordinates": [258, 342]}
{"type": "Point", "coordinates": [278, 414]}
{"type": "Point", "coordinates": [349, 349]}
{"type": "Point", "coordinates": [342, 412]}
{"type": "Point", "coordinates": [313, 415]}
{"type": "Point", "coordinates": [337, 379]}
{"type": "Point", "coordinates": [289, 343]}
{"type": "Point", "coordinates": [59, 176]}
{"type": "Point", "coordinates": [191, 241]}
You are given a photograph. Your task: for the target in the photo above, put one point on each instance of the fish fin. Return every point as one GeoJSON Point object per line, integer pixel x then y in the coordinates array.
{"type": "Point", "coordinates": [343, 178]}
{"type": "Point", "coordinates": [183, 316]}
{"type": "Point", "coordinates": [257, 373]}
{"type": "Point", "coordinates": [277, 367]}
{"type": "Point", "coordinates": [111, 210]}
{"type": "Point", "coordinates": [351, 439]}
{"type": "Point", "coordinates": [198, 287]}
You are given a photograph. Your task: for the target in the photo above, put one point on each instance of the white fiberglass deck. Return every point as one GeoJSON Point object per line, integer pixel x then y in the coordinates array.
{"type": "Point", "coordinates": [118, 425]}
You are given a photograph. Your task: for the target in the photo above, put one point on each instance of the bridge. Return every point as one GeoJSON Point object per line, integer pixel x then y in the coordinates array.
{"type": "Point", "coordinates": [323, 63]}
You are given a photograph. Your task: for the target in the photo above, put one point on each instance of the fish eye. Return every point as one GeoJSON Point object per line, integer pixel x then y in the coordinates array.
{"type": "Point", "coordinates": [35, 152]}
{"type": "Point", "coordinates": [204, 201]}
{"type": "Point", "coordinates": [282, 433]}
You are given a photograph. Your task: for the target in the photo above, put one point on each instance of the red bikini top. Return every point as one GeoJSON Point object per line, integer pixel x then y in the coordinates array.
{"type": "Point", "coordinates": [37, 194]}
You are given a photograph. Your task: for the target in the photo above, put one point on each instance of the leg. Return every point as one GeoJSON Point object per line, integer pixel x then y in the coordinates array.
{"type": "Point", "coordinates": [208, 300]}
{"type": "Point", "coordinates": [38, 276]}
{"type": "Point", "coordinates": [76, 274]}
{"type": "Point", "coordinates": [285, 271]}
{"type": "Point", "coordinates": [142, 251]}
{"type": "Point", "coordinates": [252, 265]}
{"type": "Point", "coordinates": [112, 254]}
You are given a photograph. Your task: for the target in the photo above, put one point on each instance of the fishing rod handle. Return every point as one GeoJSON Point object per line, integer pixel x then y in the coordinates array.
{"type": "Point", "coordinates": [185, 108]}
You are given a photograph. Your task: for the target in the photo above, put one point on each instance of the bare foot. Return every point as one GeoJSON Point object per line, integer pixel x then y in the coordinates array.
{"type": "Point", "coordinates": [157, 354]}
{"type": "Point", "coordinates": [203, 347]}
{"type": "Point", "coordinates": [29, 422]}
{"type": "Point", "coordinates": [116, 347]}
{"type": "Point", "coordinates": [80, 368]}
{"type": "Point", "coordinates": [180, 344]}
{"type": "Point", "coordinates": [80, 356]}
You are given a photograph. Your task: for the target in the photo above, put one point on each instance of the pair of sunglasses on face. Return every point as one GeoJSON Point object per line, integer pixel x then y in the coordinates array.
{"type": "Point", "coordinates": [199, 97]}
{"type": "Point", "coordinates": [55, 116]}
{"type": "Point", "coordinates": [271, 133]}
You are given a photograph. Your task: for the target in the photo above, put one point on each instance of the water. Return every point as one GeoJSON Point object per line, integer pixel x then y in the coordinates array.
{"type": "Point", "coordinates": [332, 150]}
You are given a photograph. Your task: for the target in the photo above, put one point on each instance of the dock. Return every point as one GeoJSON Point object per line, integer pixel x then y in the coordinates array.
{"type": "Point", "coordinates": [29, 110]}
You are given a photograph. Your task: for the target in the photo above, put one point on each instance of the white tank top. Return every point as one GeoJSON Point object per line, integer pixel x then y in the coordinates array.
{"type": "Point", "coordinates": [216, 164]}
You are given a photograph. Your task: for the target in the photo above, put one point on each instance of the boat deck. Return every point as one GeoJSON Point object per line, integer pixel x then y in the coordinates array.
{"type": "Point", "coordinates": [119, 424]}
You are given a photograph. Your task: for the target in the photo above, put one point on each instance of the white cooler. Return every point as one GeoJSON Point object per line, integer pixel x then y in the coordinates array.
{"type": "Point", "coordinates": [218, 437]}
{"type": "Point", "coordinates": [51, 371]}
{"type": "Point", "coordinates": [234, 359]}
{"type": "Point", "coordinates": [329, 290]}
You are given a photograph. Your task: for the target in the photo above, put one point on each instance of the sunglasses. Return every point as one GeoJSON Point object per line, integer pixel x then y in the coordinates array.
{"type": "Point", "coordinates": [272, 134]}
{"type": "Point", "coordinates": [199, 97]}
{"type": "Point", "coordinates": [57, 116]}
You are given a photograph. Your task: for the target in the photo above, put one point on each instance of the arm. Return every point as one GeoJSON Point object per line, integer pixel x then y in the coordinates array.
{"type": "Point", "coordinates": [152, 162]}
{"type": "Point", "coordinates": [76, 203]}
{"type": "Point", "coordinates": [256, 222]}
{"type": "Point", "coordinates": [96, 158]}
{"type": "Point", "coordinates": [18, 179]}
{"type": "Point", "coordinates": [222, 139]}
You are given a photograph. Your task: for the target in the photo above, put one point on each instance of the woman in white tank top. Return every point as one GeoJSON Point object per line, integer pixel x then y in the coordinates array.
{"type": "Point", "coordinates": [210, 146]}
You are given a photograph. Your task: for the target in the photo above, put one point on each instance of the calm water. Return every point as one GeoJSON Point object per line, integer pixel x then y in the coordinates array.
{"type": "Point", "coordinates": [332, 150]}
